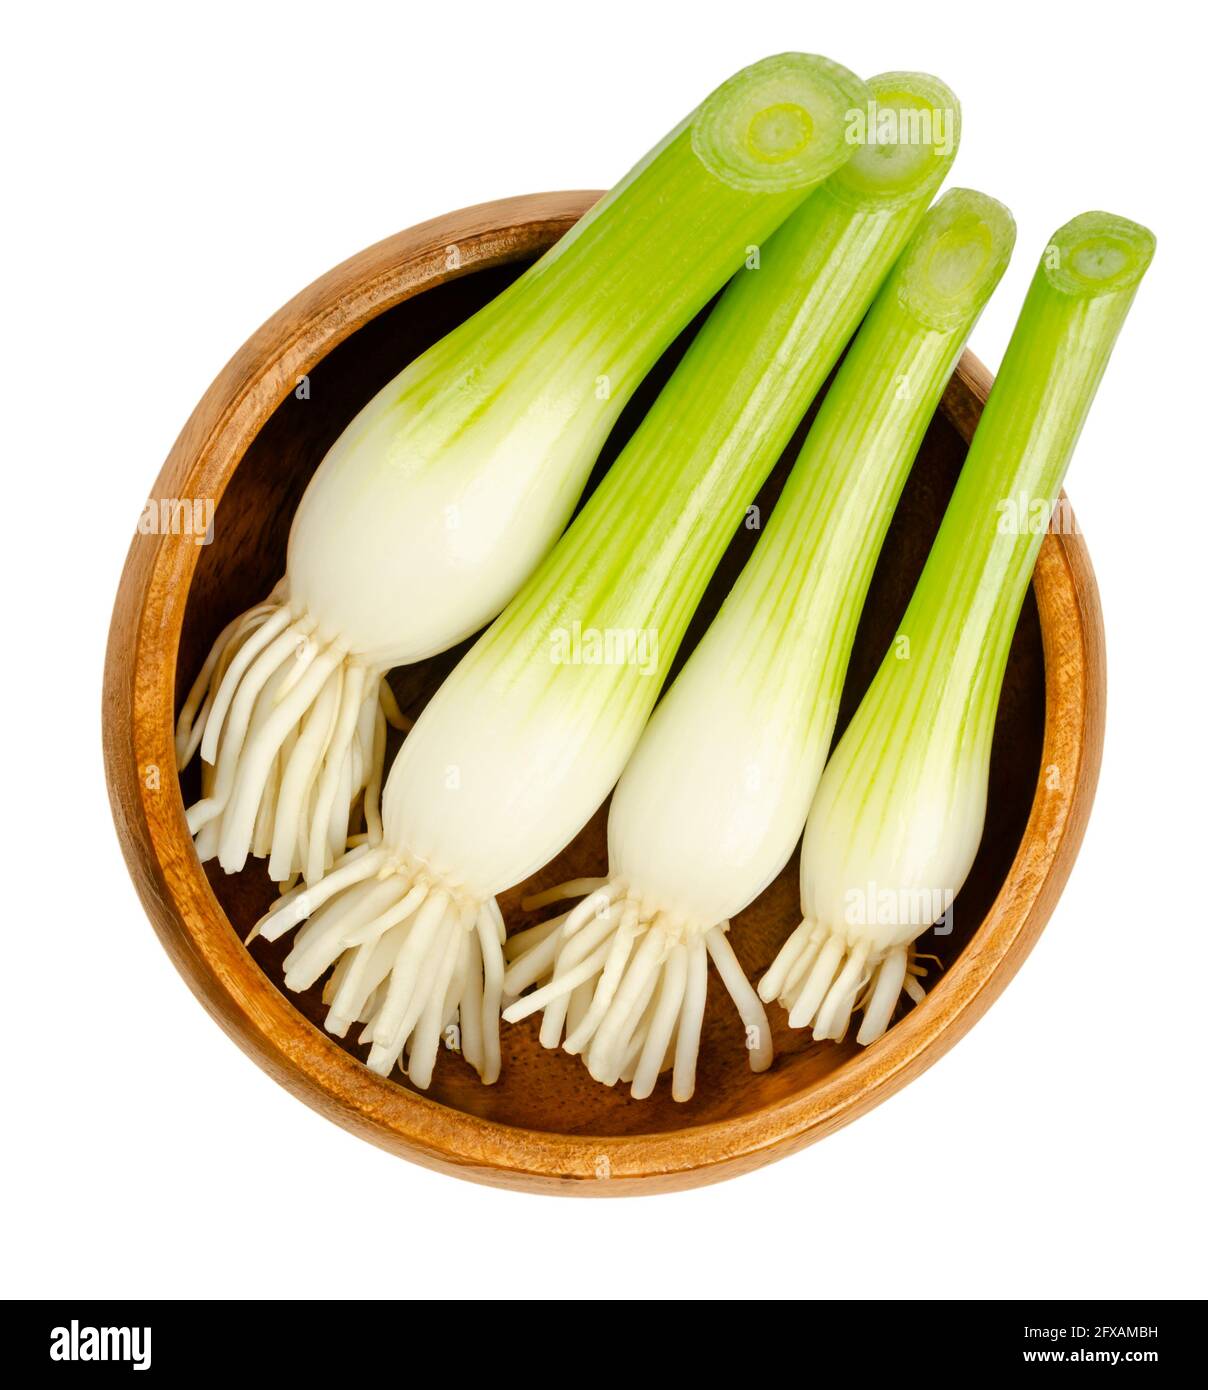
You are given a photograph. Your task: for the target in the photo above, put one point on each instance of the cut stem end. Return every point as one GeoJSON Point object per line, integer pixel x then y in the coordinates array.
{"type": "Point", "coordinates": [779, 125]}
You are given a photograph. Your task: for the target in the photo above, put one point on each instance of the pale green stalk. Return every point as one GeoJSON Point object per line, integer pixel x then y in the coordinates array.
{"type": "Point", "coordinates": [899, 812]}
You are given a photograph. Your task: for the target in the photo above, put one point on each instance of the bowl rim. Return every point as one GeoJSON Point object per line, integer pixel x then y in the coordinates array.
{"type": "Point", "coordinates": [138, 714]}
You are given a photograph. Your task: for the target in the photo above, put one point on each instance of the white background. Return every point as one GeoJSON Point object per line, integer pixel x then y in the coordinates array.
{"type": "Point", "coordinates": [174, 174]}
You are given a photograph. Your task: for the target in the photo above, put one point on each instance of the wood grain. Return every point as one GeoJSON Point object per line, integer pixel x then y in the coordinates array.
{"type": "Point", "coordinates": [252, 444]}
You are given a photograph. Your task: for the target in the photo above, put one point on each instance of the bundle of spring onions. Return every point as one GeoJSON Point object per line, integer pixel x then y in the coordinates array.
{"type": "Point", "coordinates": [898, 815]}
{"type": "Point", "coordinates": [526, 738]}
{"type": "Point", "coordinates": [443, 494]}
{"type": "Point", "coordinates": [440, 507]}
{"type": "Point", "coordinates": [712, 802]}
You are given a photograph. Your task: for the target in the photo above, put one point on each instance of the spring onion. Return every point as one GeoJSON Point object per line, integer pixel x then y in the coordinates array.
{"type": "Point", "coordinates": [898, 815]}
{"type": "Point", "coordinates": [712, 803]}
{"type": "Point", "coordinates": [525, 739]}
{"type": "Point", "coordinates": [442, 495]}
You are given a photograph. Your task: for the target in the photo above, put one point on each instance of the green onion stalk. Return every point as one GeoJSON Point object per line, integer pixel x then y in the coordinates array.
{"type": "Point", "coordinates": [898, 815]}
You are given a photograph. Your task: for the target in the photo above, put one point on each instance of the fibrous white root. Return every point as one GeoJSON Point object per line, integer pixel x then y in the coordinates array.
{"type": "Point", "coordinates": [627, 990]}
{"type": "Point", "coordinates": [821, 979]}
{"type": "Point", "coordinates": [292, 733]}
{"type": "Point", "coordinates": [414, 962]}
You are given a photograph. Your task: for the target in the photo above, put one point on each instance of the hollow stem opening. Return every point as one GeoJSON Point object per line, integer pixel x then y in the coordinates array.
{"type": "Point", "coordinates": [907, 133]}
{"type": "Point", "coordinates": [779, 124]}
{"type": "Point", "coordinates": [958, 259]}
{"type": "Point", "coordinates": [1097, 253]}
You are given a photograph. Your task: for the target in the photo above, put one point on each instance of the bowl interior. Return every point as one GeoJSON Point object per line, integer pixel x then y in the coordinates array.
{"type": "Point", "coordinates": [539, 1089]}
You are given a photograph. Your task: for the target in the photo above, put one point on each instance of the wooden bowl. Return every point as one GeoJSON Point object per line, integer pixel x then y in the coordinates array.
{"type": "Point", "coordinates": [253, 442]}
